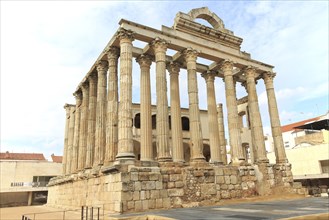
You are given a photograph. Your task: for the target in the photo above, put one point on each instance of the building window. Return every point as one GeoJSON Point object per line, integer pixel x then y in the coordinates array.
{"type": "Point", "coordinates": [185, 123]}
{"type": "Point", "coordinates": [137, 120]}
{"type": "Point", "coordinates": [41, 181]}
{"type": "Point", "coordinates": [286, 144]}
{"type": "Point", "coordinates": [324, 166]}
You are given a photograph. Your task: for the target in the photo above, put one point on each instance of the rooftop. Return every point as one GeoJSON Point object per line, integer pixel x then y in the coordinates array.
{"type": "Point", "coordinates": [22, 156]}
{"type": "Point", "coordinates": [56, 159]}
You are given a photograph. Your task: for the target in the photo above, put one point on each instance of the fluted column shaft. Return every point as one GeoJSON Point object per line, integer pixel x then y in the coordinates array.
{"type": "Point", "coordinates": [75, 149]}
{"type": "Point", "coordinates": [212, 118]}
{"type": "Point", "coordinates": [125, 144]}
{"type": "Point", "coordinates": [111, 148]}
{"type": "Point", "coordinates": [66, 137]}
{"type": "Point", "coordinates": [100, 140]}
{"type": "Point", "coordinates": [145, 108]}
{"type": "Point", "coordinates": [162, 120]}
{"type": "Point", "coordinates": [83, 126]}
{"type": "Point", "coordinates": [221, 132]}
{"type": "Point", "coordinates": [176, 118]}
{"type": "Point", "coordinates": [232, 112]}
{"type": "Point", "coordinates": [280, 152]}
{"type": "Point", "coordinates": [91, 120]}
{"type": "Point", "coordinates": [190, 56]}
{"type": "Point", "coordinates": [70, 140]}
{"type": "Point", "coordinates": [255, 118]}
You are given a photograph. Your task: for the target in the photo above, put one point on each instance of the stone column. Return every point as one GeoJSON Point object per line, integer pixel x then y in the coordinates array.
{"type": "Point", "coordinates": [162, 120]}
{"type": "Point", "coordinates": [91, 120]}
{"type": "Point", "coordinates": [212, 118]}
{"type": "Point", "coordinates": [145, 108]}
{"type": "Point", "coordinates": [69, 154]}
{"type": "Point", "coordinates": [65, 150]}
{"type": "Point", "coordinates": [75, 149]}
{"type": "Point", "coordinates": [252, 147]}
{"type": "Point", "coordinates": [196, 146]}
{"type": "Point", "coordinates": [111, 147]}
{"type": "Point", "coordinates": [280, 152]}
{"type": "Point", "coordinates": [102, 67]}
{"type": "Point", "coordinates": [232, 114]}
{"type": "Point", "coordinates": [221, 132]}
{"type": "Point", "coordinates": [125, 144]}
{"type": "Point", "coordinates": [83, 126]}
{"type": "Point", "coordinates": [176, 117]}
{"type": "Point", "coordinates": [255, 118]}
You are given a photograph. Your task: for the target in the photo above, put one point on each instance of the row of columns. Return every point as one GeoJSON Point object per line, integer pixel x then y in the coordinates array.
{"type": "Point", "coordinates": [99, 129]}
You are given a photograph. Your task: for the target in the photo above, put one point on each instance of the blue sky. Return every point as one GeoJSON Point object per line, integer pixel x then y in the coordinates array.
{"type": "Point", "coordinates": [48, 46]}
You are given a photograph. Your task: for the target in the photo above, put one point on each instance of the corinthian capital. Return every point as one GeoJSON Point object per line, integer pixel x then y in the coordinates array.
{"type": "Point", "coordinates": [67, 109]}
{"type": "Point", "coordinates": [190, 54]}
{"type": "Point", "coordinates": [250, 72]}
{"type": "Point", "coordinates": [268, 76]}
{"type": "Point", "coordinates": [78, 97]}
{"type": "Point", "coordinates": [144, 60]}
{"type": "Point", "coordinates": [85, 87]}
{"type": "Point", "coordinates": [227, 67]}
{"type": "Point", "coordinates": [173, 67]}
{"type": "Point", "coordinates": [92, 78]}
{"type": "Point", "coordinates": [125, 34]}
{"type": "Point", "coordinates": [209, 76]}
{"type": "Point", "coordinates": [159, 44]}
{"type": "Point", "coordinates": [113, 53]}
{"type": "Point", "coordinates": [102, 65]}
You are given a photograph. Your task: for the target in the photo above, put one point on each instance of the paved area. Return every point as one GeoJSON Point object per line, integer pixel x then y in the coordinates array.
{"type": "Point", "coordinates": [267, 210]}
{"type": "Point", "coordinates": [43, 213]}
{"type": "Point", "coordinates": [248, 211]}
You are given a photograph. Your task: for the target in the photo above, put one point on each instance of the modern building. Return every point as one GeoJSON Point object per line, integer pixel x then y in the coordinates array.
{"type": "Point", "coordinates": [24, 178]}
{"type": "Point", "coordinates": [307, 149]}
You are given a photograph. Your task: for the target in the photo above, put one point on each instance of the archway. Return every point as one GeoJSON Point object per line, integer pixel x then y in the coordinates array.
{"type": "Point", "coordinates": [207, 15]}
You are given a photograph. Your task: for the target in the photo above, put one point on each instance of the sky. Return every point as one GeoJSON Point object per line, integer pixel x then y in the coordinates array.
{"type": "Point", "coordinates": [47, 47]}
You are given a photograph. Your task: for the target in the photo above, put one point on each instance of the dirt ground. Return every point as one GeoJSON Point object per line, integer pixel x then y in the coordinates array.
{"type": "Point", "coordinates": [48, 213]}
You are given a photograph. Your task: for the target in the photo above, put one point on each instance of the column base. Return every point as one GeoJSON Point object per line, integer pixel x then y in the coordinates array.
{"type": "Point", "coordinates": [263, 160]}
{"type": "Point", "coordinates": [217, 163]}
{"type": "Point", "coordinates": [283, 161]}
{"type": "Point", "coordinates": [125, 156]}
{"type": "Point", "coordinates": [165, 159]}
{"type": "Point", "coordinates": [200, 158]}
{"type": "Point", "coordinates": [125, 161]}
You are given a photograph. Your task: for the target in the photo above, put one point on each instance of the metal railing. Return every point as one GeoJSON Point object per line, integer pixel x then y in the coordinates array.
{"type": "Point", "coordinates": [41, 215]}
{"type": "Point", "coordinates": [87, 213]}
{"type": "Point", "coordinates": [91, 215]}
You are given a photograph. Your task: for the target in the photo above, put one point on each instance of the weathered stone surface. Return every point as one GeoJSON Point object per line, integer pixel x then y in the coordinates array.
{"type": "Point", "coordinates": [175, 192]}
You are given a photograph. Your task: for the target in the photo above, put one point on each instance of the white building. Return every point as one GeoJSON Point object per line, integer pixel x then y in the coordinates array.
{"type": "Point", "coordinates": [307, 149]}
{"type": "Point", "coordinates": [24, 178]}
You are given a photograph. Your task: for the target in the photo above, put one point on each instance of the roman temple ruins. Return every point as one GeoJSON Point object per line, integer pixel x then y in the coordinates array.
{"type": "Point", "coordinates": [127, 157]}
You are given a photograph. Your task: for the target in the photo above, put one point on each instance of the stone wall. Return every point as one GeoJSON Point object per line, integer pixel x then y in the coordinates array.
{"type": "Point", "coordinates": [171, 185]}
{"type": "Point", "coordinates": [86, 190]}
{"type": "Point", "coordinates": [143, 188]}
